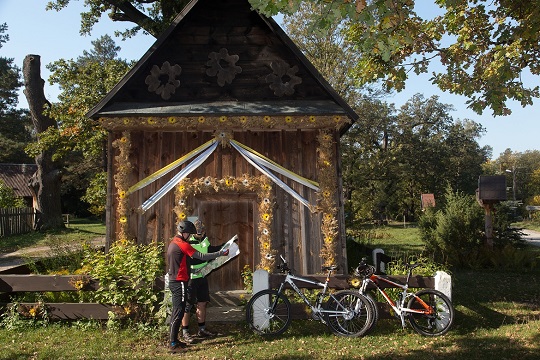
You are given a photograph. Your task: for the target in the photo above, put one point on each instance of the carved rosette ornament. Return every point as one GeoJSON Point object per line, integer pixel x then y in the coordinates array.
{"type": "Point", "coordinates": [223, 66]}
{"type": "Point", "coordinates": [163, 80]}
{"type": "Point", "coordinates": [283, 79]}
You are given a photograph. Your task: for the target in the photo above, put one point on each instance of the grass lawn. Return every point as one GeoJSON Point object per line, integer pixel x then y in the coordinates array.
{"type": "Point", "coordinates": [497, 316]}
{"type": "Point", "coordinates": [78, 230]}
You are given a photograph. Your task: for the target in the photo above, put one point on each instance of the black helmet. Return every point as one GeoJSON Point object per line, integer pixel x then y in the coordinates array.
{"type": "Point", "coordinates": [186, 227]}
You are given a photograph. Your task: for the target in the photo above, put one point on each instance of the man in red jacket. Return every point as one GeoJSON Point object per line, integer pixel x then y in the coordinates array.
{"type": "Point", "coordinates": [179, 254]}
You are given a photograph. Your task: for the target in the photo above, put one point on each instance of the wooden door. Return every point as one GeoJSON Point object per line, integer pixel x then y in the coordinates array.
{"type": "Point", "coordinates": [225, 216]}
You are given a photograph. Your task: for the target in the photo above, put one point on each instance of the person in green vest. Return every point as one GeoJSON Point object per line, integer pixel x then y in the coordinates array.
{"type": "Point", "coordinates": [198, 291]}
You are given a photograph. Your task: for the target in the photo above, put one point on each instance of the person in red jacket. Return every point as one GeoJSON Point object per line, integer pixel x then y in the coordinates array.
{"type": "Point", "coordinates": [179, 255]}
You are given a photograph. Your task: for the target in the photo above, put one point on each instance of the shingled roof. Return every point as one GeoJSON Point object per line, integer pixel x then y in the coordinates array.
{"type": "Point", "coordinates": [222, 57]}
{"type": "Point", "coordinates": [17, 176]}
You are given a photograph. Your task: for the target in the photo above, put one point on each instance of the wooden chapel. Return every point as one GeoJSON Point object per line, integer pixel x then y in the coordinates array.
{"type": "Point", "coordinates": [225, 97]}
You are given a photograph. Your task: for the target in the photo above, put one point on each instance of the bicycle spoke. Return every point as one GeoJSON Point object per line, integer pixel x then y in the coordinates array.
{"type": "Point", "coordinates": [268, 313]}
{"type": "Point", "coordinates": [440, 317]}
{"type": "Point", "coordinates": [348, 314]}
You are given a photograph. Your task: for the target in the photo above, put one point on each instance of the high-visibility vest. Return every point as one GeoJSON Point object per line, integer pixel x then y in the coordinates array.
{"type": "Point", "coordinates": [202, 247]}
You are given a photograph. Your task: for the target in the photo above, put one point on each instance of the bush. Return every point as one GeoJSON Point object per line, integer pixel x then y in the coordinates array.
{"type": "Point", "coordinates": [126, 276]}
{"type": "Point", "coordinates": [455, 235]}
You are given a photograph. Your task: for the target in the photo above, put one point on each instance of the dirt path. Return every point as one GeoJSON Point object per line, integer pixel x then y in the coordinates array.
{"type": "Point", "coordinates": [19, 257]}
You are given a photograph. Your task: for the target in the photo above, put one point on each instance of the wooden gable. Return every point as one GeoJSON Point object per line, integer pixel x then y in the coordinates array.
{"type": "Point", "coordinates": [222, 58]}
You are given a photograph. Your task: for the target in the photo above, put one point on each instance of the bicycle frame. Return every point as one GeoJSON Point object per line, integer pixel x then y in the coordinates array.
{"type": "Point", "coordinates": [317, 309]}
{"type": "Point", "coordinates": [397, 306]}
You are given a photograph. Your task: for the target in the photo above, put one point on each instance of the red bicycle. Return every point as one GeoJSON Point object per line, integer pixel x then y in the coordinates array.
{"type": "Point", "coordinates": [429, 311]}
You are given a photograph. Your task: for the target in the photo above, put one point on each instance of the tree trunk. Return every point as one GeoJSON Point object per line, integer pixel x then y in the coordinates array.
{"type": "Point", "coordinates": [46, 181]}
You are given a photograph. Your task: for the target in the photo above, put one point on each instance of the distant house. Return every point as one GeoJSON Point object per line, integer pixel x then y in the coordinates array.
{"type": "Point", "coordinates": [17, 177]}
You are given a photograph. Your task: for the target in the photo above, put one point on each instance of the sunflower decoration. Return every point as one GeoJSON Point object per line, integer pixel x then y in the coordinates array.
{"type": "Point", "coordinates": [121, 180]}
{"type": "Point", "coordinates": [354, 281]}
{"type": "Point", "coordinates": [326, 196]}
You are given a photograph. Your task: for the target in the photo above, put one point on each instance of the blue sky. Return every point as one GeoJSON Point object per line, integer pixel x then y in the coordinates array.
{"type": "Point", "coordinates": [55, 35]}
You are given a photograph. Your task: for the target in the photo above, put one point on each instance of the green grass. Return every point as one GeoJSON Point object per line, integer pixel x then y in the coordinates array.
{"type": "Point", "coordinates": [497, 316]}
{"type": "Point", "coordinates": [78, 230]}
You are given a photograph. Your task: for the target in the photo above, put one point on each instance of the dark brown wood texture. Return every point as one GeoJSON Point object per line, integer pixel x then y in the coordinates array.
{"type": "Point", "coordinates": [209, 27]}
{"type": "Point", "coordinates": [296, 231]}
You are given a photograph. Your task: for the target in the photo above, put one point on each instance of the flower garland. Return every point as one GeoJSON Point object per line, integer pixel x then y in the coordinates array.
{"type": "Point", "coordinates": [121, 181]}
{"type": "Point", "coordinates": [326, 197]}
{"type": "Point", "coordinates": [260, 185]}
{"type": "Point", "coordinates": [225, 121]}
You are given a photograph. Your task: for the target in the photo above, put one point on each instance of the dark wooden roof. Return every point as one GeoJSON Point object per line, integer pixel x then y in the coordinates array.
{"type": "Point", "coordinates": [17, 177]}
{"type": "Point", "coordinates": [222, 57]}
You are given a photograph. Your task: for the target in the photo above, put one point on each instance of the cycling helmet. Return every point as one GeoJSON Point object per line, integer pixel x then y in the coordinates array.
{"type": "Point", "coordinates": [186, 227]}
{"type": "Point", "coordinates": [199, 225]}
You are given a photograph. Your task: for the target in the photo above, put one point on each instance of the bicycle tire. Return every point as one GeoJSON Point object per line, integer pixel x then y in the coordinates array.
{"type": "Point", "coordinates": [435, 324]}
{"type": "Point", "coordinates": [356, 322]}
{"type": "Point", "coordinates": [375, 311]}
{"type": "Point", "coordinates": [268, 313]}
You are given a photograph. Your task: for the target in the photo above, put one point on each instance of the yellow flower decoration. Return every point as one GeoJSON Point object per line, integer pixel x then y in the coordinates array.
{"type": "Point", "coordinates": [228, 182]}
{"type": "Point", "coordinates": [201, 119]}
{"type": "Point", "coordinates": [267, 118]}
{"type": "Point", "coordinates": [355, 282]}
{"type": "Point", "coordinates": [182, 216]}
{"type": "Point", "coordinates": [181, 188]}
{"type": "Point", "coordinates": [337, 118]}
{"type": "Point", "coordinates": [288, 119]}
{"type": "Point", "coordinates": [243, 119]}
{"type": "Point", "coordinates": [33, 312]}
{"type": "Point", "coordinates": [151, 121]}
{"type": "Point", "coordinates": [172, 120]}
{"type": "Point", "coordinates": [222, 118]}
{"type": "Point", "coordinates": [123, 139]}
{"type": "Point", "coordinates": [266, 217]}
{"type": "Point", "coordinates": [126, 121]}
{"type": "Point", "coordinates": [312, 118]}
{"type": "Point", "coordinates": [123, 219]}
{"type": "Point", "coordinates": [121, 194]}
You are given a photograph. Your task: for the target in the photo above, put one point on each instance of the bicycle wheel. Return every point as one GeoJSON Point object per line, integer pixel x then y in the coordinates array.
{"type": "Point", "coordinates": [348, 313]}
{"type": "Point", "coordinates": [375, 311]}
{"type": "Point", "coordinates": [268, 312]}
{"type": "Point", "coordinates": [441, 318]}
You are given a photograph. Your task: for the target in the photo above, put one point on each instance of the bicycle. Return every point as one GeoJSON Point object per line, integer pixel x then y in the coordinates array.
{"type": "Point", "coordinates": [429, 311]}
{"type": "Point", "coordinates": [345, 312]}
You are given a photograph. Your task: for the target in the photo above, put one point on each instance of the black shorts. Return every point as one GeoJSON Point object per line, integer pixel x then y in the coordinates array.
{"type": "Point", "coordinates": [198, 291]}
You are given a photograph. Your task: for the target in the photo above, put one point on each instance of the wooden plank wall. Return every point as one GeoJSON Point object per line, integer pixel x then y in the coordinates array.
{"type": "Point", "coordinates": [296, 231]}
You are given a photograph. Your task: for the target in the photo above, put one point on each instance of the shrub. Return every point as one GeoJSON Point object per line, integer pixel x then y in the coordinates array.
{"type": "Point", "coordinates": [126, 276]}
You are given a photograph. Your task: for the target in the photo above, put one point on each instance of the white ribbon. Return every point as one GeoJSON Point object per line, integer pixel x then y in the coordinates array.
{"type": "Point", "coordinates": [274, 178]}
{"type": "Point", "coordinates": [177, 178]}
{"type": "Point", "coordinates": [279, 169]}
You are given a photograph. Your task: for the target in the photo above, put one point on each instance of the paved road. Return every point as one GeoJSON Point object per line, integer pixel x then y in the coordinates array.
{"type": "Point", "coordinates": [532, 237]}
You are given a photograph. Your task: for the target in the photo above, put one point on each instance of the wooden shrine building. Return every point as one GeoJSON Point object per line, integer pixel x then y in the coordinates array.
{"type": "Point", "coordinates": [225, 119]}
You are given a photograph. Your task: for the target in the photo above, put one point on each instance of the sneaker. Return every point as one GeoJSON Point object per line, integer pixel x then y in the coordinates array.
{"type": "Point", "coordinates": [187, 338]}
{"type": "Point", "coordinates": [205, 333]}
{"type": "Point", "coordinates": [179, 347]}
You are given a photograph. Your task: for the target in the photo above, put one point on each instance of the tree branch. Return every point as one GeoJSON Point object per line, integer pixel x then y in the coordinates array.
{"type": "Point", "coordinates": [132, 14]}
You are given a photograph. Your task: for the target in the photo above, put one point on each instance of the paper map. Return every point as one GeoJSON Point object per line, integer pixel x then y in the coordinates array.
{"type": "Point", "coordinates": [220, 261]}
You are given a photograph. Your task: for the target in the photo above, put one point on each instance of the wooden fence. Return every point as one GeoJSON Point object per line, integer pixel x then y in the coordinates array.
{"type": "Point", "coordinates": [14, 221]}
{"type": "Point", "coordinates": [13, 284]}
